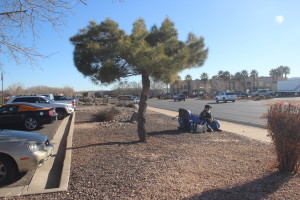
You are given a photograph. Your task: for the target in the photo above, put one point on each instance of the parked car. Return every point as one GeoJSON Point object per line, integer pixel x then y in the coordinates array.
{"type": "Point", "coordinates": [226, 96]}
{"type": "Point", "coordinates": [66, 100]}
{"type": "Point", "coordinates": [241, 94]}
{"type": "Point", "coordinates": [22, 151]}
{"type": "Point", "coordinates": [61, 109]}
{"type": "Point", "coordinates": [136, 100]}
{"type": "Point", "coordinates": [31, 116]}
{"type": "Point", "coordinates": [50, 96]}
{"type": "Point", "coordinates": [179, 97]}
{"type": "Point", "coordinates": [263, 92]}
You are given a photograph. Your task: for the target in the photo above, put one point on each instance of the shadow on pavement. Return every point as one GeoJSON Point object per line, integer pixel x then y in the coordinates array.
{"type": "Point", "coordinates": [166, 132]}
{"type": "Point", "coordinates": [106, 144]}
{"type": "Point", "coordinates": [14, 181]}
{"type": "Point", "coordinates": [257, 189]}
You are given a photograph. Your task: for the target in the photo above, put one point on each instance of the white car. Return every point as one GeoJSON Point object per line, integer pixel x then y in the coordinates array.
{"type": "Point", "coordinates": [226, 96]}
{"type": "Point", "coordinates": [61, 109]}
{"type": "Point", "coordinates": [135, 100]}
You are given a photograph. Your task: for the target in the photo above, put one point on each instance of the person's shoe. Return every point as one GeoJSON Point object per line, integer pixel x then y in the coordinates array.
{"type": "Point", "coordinates": [219, 130]}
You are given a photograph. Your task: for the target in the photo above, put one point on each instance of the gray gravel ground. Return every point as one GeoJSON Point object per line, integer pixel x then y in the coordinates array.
{"type": "Point", "coordinates": [108, 163]}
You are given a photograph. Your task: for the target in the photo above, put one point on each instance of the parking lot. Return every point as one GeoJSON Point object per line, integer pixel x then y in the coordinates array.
{"type": "Point", "coordinates": [24, 178]}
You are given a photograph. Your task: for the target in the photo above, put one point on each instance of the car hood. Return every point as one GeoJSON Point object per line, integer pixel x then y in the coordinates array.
{"type": "Point", "coordinates": [13, 135]}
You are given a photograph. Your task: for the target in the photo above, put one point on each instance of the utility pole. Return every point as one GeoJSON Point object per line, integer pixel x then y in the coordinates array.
{"type": "Point", "coordinates": [2, 103]}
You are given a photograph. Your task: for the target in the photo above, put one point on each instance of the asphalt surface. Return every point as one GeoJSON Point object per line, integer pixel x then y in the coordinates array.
{"type": "Point", "coordinates": [24, 178]}
{"type": "Point", "coordinates": [246, 112]}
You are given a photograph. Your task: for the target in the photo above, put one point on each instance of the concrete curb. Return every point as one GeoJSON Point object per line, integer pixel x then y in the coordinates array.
{"type": "Point", "coordinates": [38, 184]}
{"type": "Point", "coordinates": [255, 133]}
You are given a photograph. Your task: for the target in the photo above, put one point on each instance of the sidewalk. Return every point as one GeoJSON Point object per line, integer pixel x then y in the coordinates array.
{"type": "Point", "coordinates": [255, 133]}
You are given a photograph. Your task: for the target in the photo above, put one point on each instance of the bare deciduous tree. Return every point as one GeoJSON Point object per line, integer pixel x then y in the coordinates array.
{"type": "Point", "coordinates": [20, 17]}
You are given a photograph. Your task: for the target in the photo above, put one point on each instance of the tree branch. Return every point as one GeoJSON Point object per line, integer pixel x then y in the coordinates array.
{"type": "Point", "coordinates": [13, 12]}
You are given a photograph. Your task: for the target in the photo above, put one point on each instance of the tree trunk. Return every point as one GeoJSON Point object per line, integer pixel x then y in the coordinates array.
{"type": "Point", "coordinates": [143, 107]}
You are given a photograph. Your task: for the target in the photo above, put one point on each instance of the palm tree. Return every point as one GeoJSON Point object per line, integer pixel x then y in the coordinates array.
{"type": "Point", "coordinates": [178, 78]}
{"type": "Point", "coordinates": [188, 79]}
{"type": "Point", "coordinates": [204, 77]}
{"type": "Point", "coordinates": [254, 75]}
{"type": "Point", "coordinates": [225, 75]}
{"type": "Point", "coordinates": [285, 70]}
{"type": "Point", "coordinates": [244, 74]}
{"type": "Point", "coordinates": [238, 77]}
{"type": "Point", "coordinates": [274, 73]}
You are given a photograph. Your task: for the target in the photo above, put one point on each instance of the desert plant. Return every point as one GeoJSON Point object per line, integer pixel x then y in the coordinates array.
{"type": "Point", "coordinates": [107, 114]}
{"type": "Point", "coordinates": [283, 121]}
{"type": "Point", "coordinates": [88, 99]}
{"type": "Point", "coordinates": [130, 105]}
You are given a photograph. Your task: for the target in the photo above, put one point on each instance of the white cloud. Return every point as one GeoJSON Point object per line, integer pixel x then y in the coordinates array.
{"type": "Point", "coordinates": [279, 19]}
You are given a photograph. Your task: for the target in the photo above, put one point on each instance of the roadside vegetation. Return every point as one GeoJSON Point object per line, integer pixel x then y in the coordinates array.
{"type": "Point", "coordinates": [106, 114]}
{"type": "Point", "coordinates": [106, 54]}
{"type": "Point", "coordinates": [283, 126]}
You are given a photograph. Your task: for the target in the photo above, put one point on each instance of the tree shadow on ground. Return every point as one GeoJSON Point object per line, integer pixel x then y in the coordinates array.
{"type": "Point", "coordinates": [257, 189]}
{"type": "Point", "coordinates": [106, 144]}
{"type": "Point", "coordinates": [166, 132]}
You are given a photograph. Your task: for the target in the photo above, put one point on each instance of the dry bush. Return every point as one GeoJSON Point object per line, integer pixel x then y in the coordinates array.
{"type": "Point", "coordinates": [128, 104]}
{"type": "Point", "coordinates": [107, 114]}
{"type": "Point", "coordinates": [88, 99]}
{"type": "Point", "coordinates": [283, 126]}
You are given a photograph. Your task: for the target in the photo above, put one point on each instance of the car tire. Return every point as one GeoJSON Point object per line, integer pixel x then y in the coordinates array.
{"type": "Point", "coordinates": [8, 169]}
{"type": "Point", "coordinates": [224, 100]}
{"type": "Point", "coordinates": [217, 100]}
{"type": "Point", "coordinates": [61, 114]}
{"type": "Point", "coordinates": [233, 101]}
{"type": "Point", "coordinates": [31, 123]}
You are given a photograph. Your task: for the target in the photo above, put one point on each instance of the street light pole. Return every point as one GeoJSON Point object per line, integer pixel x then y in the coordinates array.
{"type": "Point", "coordinates": [2, 103]}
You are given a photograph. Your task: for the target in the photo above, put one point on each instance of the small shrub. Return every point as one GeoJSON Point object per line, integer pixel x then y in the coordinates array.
{"type": "Point", "coordinates": [283, 126]}
{"type": "Point", "coordinates": [107, 114]}
{"type": "Point", "coordinates": [88, 99]}
{"type": "Point", "coordinates": [131, 105]}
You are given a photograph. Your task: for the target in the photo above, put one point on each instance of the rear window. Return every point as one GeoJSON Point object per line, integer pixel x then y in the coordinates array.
{"type": "Point", "coordinates": [230, 93]}
{"type": "Point", "coordinates": [26, 99]}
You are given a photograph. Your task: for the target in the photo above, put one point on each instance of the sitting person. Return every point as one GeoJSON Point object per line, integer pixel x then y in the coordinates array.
{"type": "Point", "coordinates": [212, 124]}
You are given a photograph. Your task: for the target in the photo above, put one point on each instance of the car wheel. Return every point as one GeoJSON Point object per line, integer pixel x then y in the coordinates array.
{"type": "Point", "coordinates": [30, 123]}
{"type": "Point", "coordinates": [224, 100]}
{"type": "Point", "coordinates": [217, 100]}
{"type": "Point", "coordinates": [61, 114]}
{"type": "Point", "coordinates": [8, 170]}
{"type": "Point", "coordinates": [233, 101]}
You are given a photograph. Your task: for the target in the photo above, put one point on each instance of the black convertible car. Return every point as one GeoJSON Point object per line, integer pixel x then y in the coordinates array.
{"type": "Point", "coordinates": [31, 116]}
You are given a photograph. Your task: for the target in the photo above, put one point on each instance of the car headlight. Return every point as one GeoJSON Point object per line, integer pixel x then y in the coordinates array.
{"type": "Point", "coordinates": [36, 147]}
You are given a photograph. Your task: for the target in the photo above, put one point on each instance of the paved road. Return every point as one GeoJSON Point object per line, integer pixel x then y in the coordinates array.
{"type": "Point", "coordinates": [244, 112]}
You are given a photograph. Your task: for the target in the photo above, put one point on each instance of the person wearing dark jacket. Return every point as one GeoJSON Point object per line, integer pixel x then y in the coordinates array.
{"type": "Point", "coordinates": [212, 124]}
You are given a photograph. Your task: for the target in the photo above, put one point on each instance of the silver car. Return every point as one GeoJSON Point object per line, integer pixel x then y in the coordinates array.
{"type": "Point", "coordinates": [22, 151]}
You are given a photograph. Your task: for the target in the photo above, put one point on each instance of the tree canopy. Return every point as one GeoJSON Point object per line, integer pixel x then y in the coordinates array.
{"type": "Point", "coordinates": [106, 54]}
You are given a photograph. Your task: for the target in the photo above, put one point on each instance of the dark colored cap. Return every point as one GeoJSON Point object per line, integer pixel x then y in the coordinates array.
{"type": "Point", "coordinates": [207, 106]}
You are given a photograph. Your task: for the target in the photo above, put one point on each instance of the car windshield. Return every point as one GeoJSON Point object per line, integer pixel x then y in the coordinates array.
{"type": "Point", "coordinates": [51, 100]}
{"type": "Point", "coordinates": [230, 93]}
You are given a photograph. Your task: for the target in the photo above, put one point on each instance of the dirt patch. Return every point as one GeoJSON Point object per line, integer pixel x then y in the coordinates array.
{"type": "Point", "coordinates": [109, 163]}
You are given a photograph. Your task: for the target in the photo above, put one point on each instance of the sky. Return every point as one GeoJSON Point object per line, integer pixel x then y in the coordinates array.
{"type": "Point", "coordinates": [240, 34]}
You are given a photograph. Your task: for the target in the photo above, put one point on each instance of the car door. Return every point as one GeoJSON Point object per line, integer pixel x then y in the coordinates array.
{"type": "Point", "coordinates": [42, 102]}
{"type": "Point", "coordinates": [9, 114]}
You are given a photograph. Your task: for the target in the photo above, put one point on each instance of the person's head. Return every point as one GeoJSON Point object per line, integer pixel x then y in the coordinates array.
{"type": "Point", "coordinates": [207, 107]}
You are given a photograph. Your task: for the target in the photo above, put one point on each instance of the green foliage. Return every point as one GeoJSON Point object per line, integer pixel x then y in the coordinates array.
{"type": "Point", "coordinates": [204, 77]}
{"type": "Point", "coordinates": [105, 53]}
{"type": "Point", "coordinates": [254, 73]}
